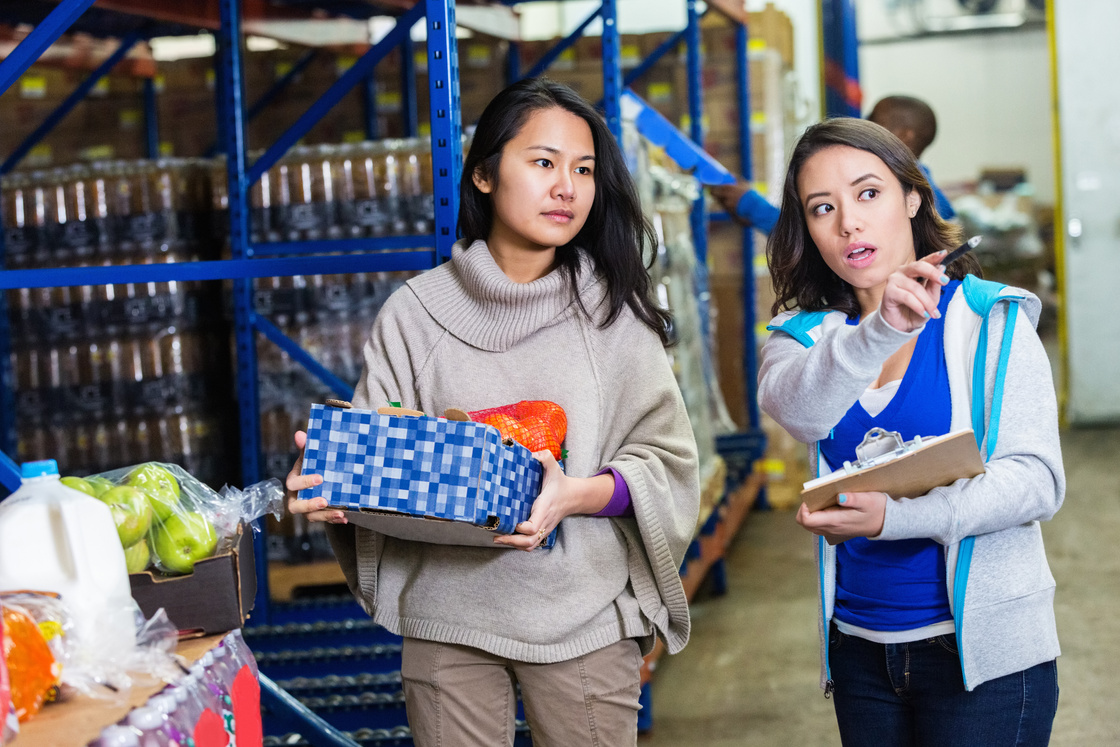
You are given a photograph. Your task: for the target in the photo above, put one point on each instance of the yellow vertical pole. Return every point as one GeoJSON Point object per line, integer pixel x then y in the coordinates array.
{"type": "Point", "coordinates": [1059, 216]}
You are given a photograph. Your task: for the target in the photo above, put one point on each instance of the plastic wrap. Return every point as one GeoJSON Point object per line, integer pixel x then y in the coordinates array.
{"type": "Point", "coordinates": [169, 520]}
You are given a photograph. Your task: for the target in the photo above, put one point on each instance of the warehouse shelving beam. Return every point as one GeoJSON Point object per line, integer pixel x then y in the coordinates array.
{"type": "Point", "coordinates": [278, 86]}
{"type": "Point", "coordinates": [408, 88]}
{"type": "Point", "coordinates": [41, 37]}
{"type": "Point", "coordinates": [299, 718]}
{"type": "Point", "coordinates": [446, 120]}
{"type": "Point", "coordinates": [231, 126]}
{"type": "Point", "coordinates": [842, 95]}
{"type": "Point", "coordinates": [369, 107]}
{"type": "Point", "coordinates": [151, 119]}
{"type": "Point", "coordinates": [68, 104]}
{"type": "Point", "coordinates": [9, 473]}
{"type": "Point", "coordinates": [553, 54]}
{"type": "Point", "coordinates": [223, 269]}
{"type": "Point", "coordinates": [750, 353]}
{"type": "Point", "coordinates": [301, 356]}
{"type": "Point", "coordinates": [352, 77]}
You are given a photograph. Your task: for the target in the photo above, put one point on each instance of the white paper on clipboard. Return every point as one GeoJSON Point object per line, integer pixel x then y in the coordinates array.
{"type": "Point", "coordinates": [904, 470]}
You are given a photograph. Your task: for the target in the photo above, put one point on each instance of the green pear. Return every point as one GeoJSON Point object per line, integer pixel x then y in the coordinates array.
{"type": "Point", "coordinates": [160, 486]}
{"type": "Point", "coordinates": [80, 484]}
{"type": "Point", "coordinates": [182, 540]}
{"type": "Point", "coordinates": [131, 511]}
{"type": "Point", "coordinates": [100, 484]}
{"type": "Point", "coordinates": [137, 557]}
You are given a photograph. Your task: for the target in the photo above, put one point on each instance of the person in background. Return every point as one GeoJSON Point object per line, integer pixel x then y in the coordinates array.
{"type": "Point", "coordinates": [545, 297]}
{"type": "Point", "coordinates": [936, 614]}
{"type": "Point", "coordinates": [911, 120]}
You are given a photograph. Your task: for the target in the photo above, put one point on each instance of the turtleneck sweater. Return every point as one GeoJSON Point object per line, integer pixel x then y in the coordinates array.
{"type": "Point", "coordinates": [464, 335]}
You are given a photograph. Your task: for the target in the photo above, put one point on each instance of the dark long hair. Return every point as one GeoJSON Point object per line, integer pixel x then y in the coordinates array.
{"type": "Point", "coordinates": [800, 276]}
{"type": "Point", "coordinates": [615, 231]}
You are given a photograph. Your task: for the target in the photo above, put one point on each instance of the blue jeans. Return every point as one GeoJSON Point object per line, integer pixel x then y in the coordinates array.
{"type": "Point", "coordinates": [913, 694]}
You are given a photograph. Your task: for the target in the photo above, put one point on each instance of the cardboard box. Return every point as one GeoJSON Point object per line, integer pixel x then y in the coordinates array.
{"type": "Point", "coordinates": [420, 478]}
{"type": "Point", "coordinates": [215, 598]}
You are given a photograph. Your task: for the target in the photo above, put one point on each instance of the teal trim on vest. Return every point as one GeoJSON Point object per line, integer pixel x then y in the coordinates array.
{"type": "Point", "coordinates": [982, 295]}
{"type": "Point", "coordinates": [799, 325]}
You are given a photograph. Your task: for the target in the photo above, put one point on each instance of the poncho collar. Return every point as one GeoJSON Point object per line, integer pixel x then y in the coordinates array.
{"type": "Point", "coordinates": [476, 302]}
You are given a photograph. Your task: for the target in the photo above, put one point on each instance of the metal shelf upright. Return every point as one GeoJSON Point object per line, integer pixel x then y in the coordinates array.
{"type": "Point", "coordinates": [253, 260]}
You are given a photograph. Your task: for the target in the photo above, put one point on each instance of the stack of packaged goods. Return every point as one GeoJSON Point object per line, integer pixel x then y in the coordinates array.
{"type": "Point", "coordinates": [114, 374]}
{"type": "Point", "coordinates": [325, 192]}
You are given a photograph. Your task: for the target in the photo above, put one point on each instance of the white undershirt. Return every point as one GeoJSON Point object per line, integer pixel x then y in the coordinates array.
{"type": "Point", "coordinates": [874, 401]}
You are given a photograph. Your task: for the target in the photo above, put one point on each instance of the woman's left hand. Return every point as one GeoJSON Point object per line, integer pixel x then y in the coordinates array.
{"type": "Point", "coordinates": [557, 499]}
{"type": "Point", "coordinates": [859, 515]}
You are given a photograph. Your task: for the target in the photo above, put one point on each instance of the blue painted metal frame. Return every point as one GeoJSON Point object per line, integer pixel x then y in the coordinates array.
{"type": "Point", "coordinates": [298, 718]}
{"type": "Point", "coordinates": [369, 106]}
{"type": "Point", "coordinates": [41, 37]}
{"type": "Point", "coordinates": [408, 87]}
{"type": "Point", "coordinates": [225, 269]}
{"type": "Point", "coordinates": [68, 104]}
{"type": "Point", "coordinates": [301, 356]}
{"type": "Point", "coordinates": [561, 46]}
{"type": "Point", "coordinates": [352, 77]}
{"type": "Point", "coordinates": [286, 248]}
{"type": "Point", "coordinates": [513, 63]}
{"type": "Point", "coordinates": [699, 217]}
{"type": "Point", "coordinates": [273, 91]}
{"type": "Point", "coordinates": [612, 69]}
{"type": "Point", "coordinates": [151, 119]}
{"type": "Point", "coordinates": [446, 113]}
{"type": "Point", "coordinates": [750, 353]}
{"type": "Point", "coordinates": [232, 129]}
{"type": "Point", "coordinates": [9, 473]}
{"type": "Point", "coordinates": [841, 58]}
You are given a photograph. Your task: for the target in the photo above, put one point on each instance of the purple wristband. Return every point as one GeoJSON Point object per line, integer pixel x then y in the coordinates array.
{"type": "Point", "coordinates": [619, 504]}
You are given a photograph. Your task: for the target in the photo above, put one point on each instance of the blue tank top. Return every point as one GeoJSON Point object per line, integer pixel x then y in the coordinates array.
{"type": "Point", "coordinates": [897, 585]}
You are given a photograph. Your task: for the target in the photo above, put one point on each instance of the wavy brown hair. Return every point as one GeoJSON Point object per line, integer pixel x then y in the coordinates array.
{"type": "Point", "coordinates": [800, 276]}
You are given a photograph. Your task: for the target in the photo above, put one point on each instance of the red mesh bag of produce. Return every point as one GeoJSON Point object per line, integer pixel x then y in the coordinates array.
{"type": "Point", "coordinates": [32, 670]}
{"type": "Point", "coordinates": [538, 425]}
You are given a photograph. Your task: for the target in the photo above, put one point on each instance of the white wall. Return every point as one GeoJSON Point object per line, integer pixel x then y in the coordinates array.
{"type": "Point", "coordinates": [991, 93]}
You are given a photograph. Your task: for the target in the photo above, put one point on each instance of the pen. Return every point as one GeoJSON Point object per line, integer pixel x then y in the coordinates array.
{"type": "Point", "coordinates": [960, 251]}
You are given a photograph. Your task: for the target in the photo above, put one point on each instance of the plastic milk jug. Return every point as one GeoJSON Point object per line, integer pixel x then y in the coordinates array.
{"type": "Point", "coordinates": [56, 539]}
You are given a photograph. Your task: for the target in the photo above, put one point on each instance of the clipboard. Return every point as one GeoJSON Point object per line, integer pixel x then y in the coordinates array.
{"type": "Point", "coordinates": [900, 469]}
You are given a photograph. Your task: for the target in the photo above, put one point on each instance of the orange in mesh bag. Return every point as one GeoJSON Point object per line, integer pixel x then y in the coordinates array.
{"type": "Point", "coordinates": [538, 425]}
{"type": "Point", "coordinates": [32, 669]}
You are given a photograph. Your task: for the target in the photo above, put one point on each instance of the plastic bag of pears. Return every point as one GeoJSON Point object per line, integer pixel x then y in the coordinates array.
{"type": "Point", "coordinates": [168, 520]}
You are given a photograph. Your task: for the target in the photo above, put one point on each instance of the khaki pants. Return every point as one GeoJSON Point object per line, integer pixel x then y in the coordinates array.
{"type": "Point", "coordinates": [459, 696]}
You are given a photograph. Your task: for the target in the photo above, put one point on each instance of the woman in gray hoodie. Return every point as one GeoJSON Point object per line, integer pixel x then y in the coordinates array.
{"type": "Point", "coordinates": [937, 620]}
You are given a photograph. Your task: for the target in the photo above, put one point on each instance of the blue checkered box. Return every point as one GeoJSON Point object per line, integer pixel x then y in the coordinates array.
{"type": "Point", "coordinates": [420, 478]}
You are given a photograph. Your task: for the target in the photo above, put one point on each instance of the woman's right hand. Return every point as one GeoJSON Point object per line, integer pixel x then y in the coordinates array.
{"type": "Point", "coordinates": [912, 293]}
{"type": "Point", "coordinates": [316, 508]}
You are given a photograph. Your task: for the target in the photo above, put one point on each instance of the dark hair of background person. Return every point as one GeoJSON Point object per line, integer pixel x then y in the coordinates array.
{"type": "Point", "coordinates": [907, 115]}
{"type": "Point", "coordinates": [800, 276]}
{"type": "Point", "coordinates": [616, 229]}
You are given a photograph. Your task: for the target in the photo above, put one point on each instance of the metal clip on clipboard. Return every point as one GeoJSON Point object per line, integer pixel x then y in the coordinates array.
{"type": "Point", "coordinates": [879, 446]}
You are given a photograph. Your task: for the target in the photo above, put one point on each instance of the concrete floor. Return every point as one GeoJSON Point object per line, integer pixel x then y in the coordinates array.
{"type": "Point", "coordinates": [749, 675]}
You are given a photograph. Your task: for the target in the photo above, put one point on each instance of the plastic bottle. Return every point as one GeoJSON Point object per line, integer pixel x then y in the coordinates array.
{"type": "Point", "coordinates": [117, 736]}
{"type": "Point", "coordinates": [56, 539]}
{"type": "Point", "coordinates": [151, 726]}
{"type": "Point", "coordinates": [165, 704]}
